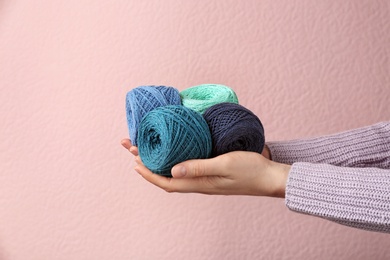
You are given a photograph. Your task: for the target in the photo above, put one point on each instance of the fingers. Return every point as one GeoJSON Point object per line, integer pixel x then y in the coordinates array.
{"type": "Point", "coordinates": [199, 168]}
{"type": "Point", "coordinates": [158, 180]}
{"type": "Point", "coordinates": [184, 185]}
{"type": "Point", "coordinates": [188, 171]}
{"type": "Point", "coordinates": [134, 150]}
{"type": "Point", "coordinates": [200, 176]}
{"type": "Point", "coordinates": [126, 143]}
{"type": "Point", "coordinates": [138, 160]}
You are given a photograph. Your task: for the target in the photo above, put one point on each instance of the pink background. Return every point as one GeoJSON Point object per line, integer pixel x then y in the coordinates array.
{"type": "Point", "coordinates": [67, 187]}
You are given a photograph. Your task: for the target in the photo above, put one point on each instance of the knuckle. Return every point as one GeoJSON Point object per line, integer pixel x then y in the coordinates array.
{"type": "Point", "coordinates": [168, 190]}
{"type": "Point", "coordinates": [168, 187]}
{"type": "Point", "coordinates": [198, 169]}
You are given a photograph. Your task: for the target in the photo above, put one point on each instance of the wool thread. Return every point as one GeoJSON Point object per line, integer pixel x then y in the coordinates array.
{"type": "Point", "coordinates": [143, 99]}
{"type": "Point", "coordinates": [172, 134]}
{"type": "Point", "coordinates": [201, 97]}
{"type": "Point", "coordinates": [234, 128]}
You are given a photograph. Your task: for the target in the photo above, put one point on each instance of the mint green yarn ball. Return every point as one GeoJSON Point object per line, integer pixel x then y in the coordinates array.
{"type": "Point", "coordinates": [201, 97]}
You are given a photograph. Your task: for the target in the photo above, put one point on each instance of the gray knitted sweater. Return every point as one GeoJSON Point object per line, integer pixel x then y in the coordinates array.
{"type": "Point", "coordinates": [343, 177]}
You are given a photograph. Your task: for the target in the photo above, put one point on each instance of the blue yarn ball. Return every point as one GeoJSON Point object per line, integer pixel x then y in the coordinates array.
{"type": "Point", "coordinates": [143, 99]}
{"type": "Point", "coordinates": [234, 128]}
{"type": "Point", "coordinates": [172, 134]}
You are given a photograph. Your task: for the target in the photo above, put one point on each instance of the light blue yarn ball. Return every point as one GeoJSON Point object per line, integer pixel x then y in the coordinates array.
{"type": "Point", "coordinates": [172, 134]}
{"type": "Point", "coordinates": [143, 99]}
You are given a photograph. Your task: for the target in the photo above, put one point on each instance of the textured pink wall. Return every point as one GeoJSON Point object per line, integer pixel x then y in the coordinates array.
{"type": "Point", "coordinates": [67, 188]}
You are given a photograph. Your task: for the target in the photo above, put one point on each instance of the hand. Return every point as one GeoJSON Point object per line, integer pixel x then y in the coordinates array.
{"type": "Point", "coordinates": [234, 173]}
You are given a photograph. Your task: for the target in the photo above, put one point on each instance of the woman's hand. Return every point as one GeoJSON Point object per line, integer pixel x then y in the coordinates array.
{"type": "Point", "coordinates": [234, 173]}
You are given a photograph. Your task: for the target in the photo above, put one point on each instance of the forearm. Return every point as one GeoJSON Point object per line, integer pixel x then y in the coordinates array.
{"type": "Point", "coordinates": [343, 177]}
{"type": "Point", "coordinates": [363, 147]}
{"type": "Point", "coordinates": [357, 197]}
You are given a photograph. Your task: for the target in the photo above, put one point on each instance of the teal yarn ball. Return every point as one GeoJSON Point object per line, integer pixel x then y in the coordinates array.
{"type": "Point", "coordinates": [143, 99]}
{"type": "Point", "coordinates": [172, 134]}
{"type": "Point", "coordinates": [201, 97]}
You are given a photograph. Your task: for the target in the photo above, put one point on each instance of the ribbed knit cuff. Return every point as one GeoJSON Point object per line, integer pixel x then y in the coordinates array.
{"type": "Point", "coordinates": [358, 197]}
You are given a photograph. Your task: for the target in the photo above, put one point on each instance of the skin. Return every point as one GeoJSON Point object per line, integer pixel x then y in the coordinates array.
{"type": "Point", "coordinates": [234, 173]}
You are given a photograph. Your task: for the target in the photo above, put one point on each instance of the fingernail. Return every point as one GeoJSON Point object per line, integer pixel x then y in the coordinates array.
{"type": "Point", "coordinates": [179, 171]}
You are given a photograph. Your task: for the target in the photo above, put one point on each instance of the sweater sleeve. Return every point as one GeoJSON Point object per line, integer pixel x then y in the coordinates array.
{"type": "Point", "coordinates": [343, 177]}
{"type": "Point", "coordinates": [357, 197]}
{"type": "Point", "coordinates": [363, 147]}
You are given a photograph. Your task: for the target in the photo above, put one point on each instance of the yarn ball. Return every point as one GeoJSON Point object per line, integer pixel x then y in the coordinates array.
{"type": "Point", "coordinates": [234, 128]}
{"type": "Point", "coordinates": [143, 99]}
{"type": "Point", "coordinates": [172, 134]}
{"type": "Point", "coordinates": [201, 97]}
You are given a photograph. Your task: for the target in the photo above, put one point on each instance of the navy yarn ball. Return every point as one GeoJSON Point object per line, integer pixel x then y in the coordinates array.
{"type": "Point", "coordinates": [143, 99]}
{"type": "Point", "coordinates": [172, 134]}
{"type": "Point", "coordinates": [234, 128]}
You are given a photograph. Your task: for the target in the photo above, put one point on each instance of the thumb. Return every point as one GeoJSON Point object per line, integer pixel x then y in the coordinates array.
{"type": "Point", "coordinates": [196, 168]}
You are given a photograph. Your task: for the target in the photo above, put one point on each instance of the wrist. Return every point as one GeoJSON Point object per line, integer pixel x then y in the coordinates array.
{"type": "Point", "coordinates": [280, 171]}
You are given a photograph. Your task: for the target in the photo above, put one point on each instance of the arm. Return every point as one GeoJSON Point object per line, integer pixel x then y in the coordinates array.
{"type": "Point", "coordinates": [353, 196]}
{"type": "Point", "coordinates": [363, 147]}
{"type": "Point", "coordinates": [356, 197]}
